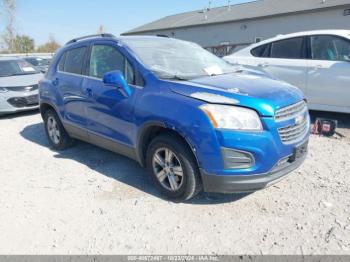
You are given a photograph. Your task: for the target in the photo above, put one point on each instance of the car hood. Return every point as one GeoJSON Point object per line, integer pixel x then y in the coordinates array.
{"type": "Point", "coordinates": [246, 88]}
{"type": "Point", "coordinates": [20, 80]}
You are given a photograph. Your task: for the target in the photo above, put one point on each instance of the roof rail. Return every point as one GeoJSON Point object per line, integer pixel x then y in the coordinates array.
{"type": "Point", "coordinates": [88, 36]}
{"type": "Point", "coordinates": [165, 36]}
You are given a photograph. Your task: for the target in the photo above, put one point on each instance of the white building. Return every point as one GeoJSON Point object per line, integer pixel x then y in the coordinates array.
{"type": "Point", "coordinates": [239, 25]}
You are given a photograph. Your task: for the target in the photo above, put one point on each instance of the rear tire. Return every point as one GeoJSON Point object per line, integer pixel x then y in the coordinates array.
{"type": "Point", "coordinates": [173, 168]}
{"type": "Point", "coordinates": [56, 134]}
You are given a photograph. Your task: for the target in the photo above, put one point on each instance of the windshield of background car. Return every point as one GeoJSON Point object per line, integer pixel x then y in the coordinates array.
{"type": "Point", "coordinates": [16, 67]}
{"type": "Point", "coordinates": [175, 59]}
{"type": "Point", "coordinates": [38, 61]}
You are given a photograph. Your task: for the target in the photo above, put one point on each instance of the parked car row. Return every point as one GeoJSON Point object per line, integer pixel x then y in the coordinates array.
{"type": "Point", "coordinates": [19, 78]}
{"type": "Point", "coordinates": [18, 85]}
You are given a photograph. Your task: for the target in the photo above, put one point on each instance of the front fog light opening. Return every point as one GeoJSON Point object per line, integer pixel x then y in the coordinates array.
{"type": "Point", "coordinates": [236, 159]}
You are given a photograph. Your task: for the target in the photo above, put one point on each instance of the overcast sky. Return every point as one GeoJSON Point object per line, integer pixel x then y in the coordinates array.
{"type": "Point", "coordinates": [66, 19]}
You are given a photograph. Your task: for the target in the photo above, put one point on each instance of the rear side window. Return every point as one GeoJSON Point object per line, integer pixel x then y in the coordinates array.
{"type": "Point", "coordinates": [73, 61]}
{"type": "Point", "coordinates": [261, 51]}
{"type": "Point", "coordinates": [290, 48]}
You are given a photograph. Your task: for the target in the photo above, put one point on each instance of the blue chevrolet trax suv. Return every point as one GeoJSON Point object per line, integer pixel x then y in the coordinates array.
{"type": "Point", "coordinates": [194, 121]}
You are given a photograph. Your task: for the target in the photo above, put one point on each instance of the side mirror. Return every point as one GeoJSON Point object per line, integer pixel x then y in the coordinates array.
{"type": "Point", "coordinates": [116, 79]}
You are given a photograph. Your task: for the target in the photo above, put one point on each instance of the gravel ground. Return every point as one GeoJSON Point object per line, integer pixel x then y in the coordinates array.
{"type": "Point", "coordinates": [90, 201]}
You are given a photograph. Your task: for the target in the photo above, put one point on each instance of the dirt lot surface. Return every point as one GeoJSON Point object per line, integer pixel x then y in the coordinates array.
{"type": "Point", "coordinates": [90, 201]}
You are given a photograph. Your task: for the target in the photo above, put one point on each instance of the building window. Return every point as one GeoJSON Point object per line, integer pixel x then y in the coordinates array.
{"type": "Point", "coordinates": [258, 39]}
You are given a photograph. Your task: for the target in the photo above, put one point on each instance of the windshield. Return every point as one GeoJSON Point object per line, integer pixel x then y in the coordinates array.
{"type": "Point", "coordinates": [176, 59]}
{"type": "Point", "coordinates": [16, 67]}
{"type": "Point", "coordinates": [38, 61]}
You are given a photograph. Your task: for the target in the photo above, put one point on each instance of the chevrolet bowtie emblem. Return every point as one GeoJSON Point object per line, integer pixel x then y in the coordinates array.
{"type": "Point", "coordinates": [299, 119]}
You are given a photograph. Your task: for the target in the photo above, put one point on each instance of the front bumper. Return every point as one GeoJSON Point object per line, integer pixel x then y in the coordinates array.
{"type": "Point", "coordinates": [247, 183]}
{"type": "Point", "coordinates": [12, 102]}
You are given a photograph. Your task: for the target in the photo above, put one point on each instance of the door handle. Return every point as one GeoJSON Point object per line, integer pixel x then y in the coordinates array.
{"type": "Point", "coordinates": [317, 67]}
{"type": "Point", "coordinates": [263, 65]}
{"type": "Point", "coordinates": [89, 92]}
{"type": "Point", "coordinates": [55, 82]}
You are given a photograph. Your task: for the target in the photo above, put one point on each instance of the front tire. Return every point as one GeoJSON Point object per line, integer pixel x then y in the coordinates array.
{"type": "Point", "coordinates": [56, 134]}
{"type": "Point", "coordinates": [173, 168]}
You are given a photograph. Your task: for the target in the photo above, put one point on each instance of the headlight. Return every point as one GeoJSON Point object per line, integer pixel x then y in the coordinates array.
{"type": "Point", "coordinates": [3, 90]}
{"type": "Point", "coordinates": [232, 117]}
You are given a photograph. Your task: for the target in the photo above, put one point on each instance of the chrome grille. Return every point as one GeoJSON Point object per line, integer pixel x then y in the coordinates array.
{"type": "Point", "coordinates": [294, 133]}
{"type": "Point", "coordinates": [290, 112]}
{"type": "Point", "coordinates": [23, 88]}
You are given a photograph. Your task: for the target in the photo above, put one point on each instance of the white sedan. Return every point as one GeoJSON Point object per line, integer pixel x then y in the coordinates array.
{"type": "Point", "coordinates": [318, 62]}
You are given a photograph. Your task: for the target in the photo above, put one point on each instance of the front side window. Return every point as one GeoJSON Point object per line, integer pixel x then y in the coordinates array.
{"type": "Point", "coordinates": [74, 60]}
{"type": "Point", "coordinates": [332, 48]}
{"type": "Point", "coordinates": [289, 48]}
{"type": "Point", "coordinates": [105, 59]}
{"type": "Point", "coordinates": [16, 67]}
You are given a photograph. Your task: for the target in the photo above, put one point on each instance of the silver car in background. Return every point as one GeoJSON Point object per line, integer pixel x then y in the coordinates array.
{"type": "Point", "coordinates": [317, 62]}
{"type": "Point", "coordinates": [18, 85]}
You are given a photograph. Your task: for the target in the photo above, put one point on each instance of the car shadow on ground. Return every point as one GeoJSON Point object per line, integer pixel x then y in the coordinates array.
{"type": "Point", "coordinates": [117, 167]}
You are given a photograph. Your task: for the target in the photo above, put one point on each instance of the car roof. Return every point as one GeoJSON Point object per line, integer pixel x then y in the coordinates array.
{"type": "Point", "coordinates": [344, 33]}
{"type": "Point", "coordinates": [9, 58]}
{"type": "Point", "coordinates": [120, 39]}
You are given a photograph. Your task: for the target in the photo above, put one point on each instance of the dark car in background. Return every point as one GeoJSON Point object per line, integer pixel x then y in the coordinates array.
{"type": "Point", "coordinates": [41, 64]}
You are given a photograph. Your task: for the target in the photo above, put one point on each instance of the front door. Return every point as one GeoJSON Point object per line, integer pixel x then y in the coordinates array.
{"type": "Point", "coordinates": [328, 84]}
{"type": "Point", "coordinates": [109, 113]}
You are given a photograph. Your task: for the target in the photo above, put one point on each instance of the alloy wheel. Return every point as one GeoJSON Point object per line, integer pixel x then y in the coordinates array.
{"type": "Point", "coordinates": [168, 169]}
{"type": "Point", "coordinates": [53, 130]}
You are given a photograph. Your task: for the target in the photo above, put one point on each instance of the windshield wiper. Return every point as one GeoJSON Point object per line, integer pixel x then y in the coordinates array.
{"type": "Point", "coordinates": [175, 77]}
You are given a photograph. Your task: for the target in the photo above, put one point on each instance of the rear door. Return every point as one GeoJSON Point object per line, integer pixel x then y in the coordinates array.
{"type": "Point", "coordinates": [69, 80]}
{"type": "Point", "coordinates": [286, 60]}
{"type": "Point", "coordinates": [328, 78]}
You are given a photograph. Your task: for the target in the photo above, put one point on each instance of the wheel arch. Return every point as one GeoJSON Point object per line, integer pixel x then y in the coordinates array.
{"type": "Point", "coordinates": [44, 107]}
{"type": "Point", "coordinates": [151, 130]}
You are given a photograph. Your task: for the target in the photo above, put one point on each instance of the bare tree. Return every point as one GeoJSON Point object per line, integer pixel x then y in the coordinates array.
{"type": "Point", "coordinates": [9, 7]}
